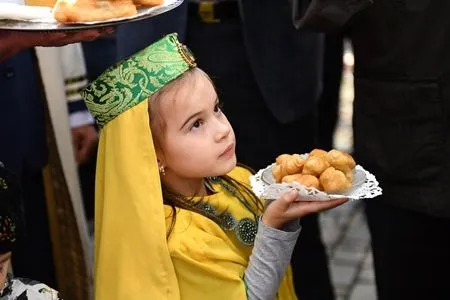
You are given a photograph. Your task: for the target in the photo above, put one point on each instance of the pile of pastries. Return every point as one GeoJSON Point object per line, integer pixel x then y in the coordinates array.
{"type": "Point", "coordinates": [331, 172]}
{"type": "Point", "coordinates": [75, 11]}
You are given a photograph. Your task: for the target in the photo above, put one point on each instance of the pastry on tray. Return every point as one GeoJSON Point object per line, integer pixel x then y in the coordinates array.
{"type": "Point", "coordinates": [331, 171]}
{"type": "Point", "coordinates": [70, 11]}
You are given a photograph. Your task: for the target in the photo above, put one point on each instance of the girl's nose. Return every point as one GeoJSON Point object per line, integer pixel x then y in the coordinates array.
{"type": "Point", "coordinates": [223, 131]}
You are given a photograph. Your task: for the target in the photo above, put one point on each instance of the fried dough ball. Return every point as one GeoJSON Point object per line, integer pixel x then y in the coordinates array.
{"type": "Point", "coordinates": [297, 156]}
{"type": "Point", "coordinates": [306, 180]}
{"type": "Point", "coordinates": [293, 166]}
{"type": "Point", "coordinates": [283, 158]}
{"type": "Point", "coordinates": [349, 175]}
{"type": "Point", "coordinates": [334, 181]}
{"type": "Point", "coordinates": [277, 173]}
{"type": "Point", "coordinates": [319, 153]}
{"type": "Point", "coordinates": [291, 178]}
{"type": "Point", "coordinates": [287, 164]}
{"type": "Point", "coordinates": [341, 160]}
{"type": "Point", "coordinates": [315, 165]}
{"type": "Point", "coordinates": [351, 161]}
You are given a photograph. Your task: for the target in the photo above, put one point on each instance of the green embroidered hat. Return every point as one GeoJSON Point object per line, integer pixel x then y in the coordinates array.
{"type": "Point", "coordinates": [133, 80]}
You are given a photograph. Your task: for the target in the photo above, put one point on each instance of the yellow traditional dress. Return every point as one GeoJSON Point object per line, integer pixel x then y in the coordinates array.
{"type": "Point", "coordinates": [209, 261]}
{"type": "Point", "coordinates": [134, 258]}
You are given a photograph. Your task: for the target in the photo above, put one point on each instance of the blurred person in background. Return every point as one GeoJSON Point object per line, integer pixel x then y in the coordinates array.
{"type": "Point", "coordinates": [401, 124]}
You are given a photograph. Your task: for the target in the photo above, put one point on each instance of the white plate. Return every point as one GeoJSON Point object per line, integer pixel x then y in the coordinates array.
{"type": "Point", "coordinates": [359, 177]}
{"type": "Point", "coordinates": [48, 23]}
{"type": "Point", "coordinates": [364, 186]}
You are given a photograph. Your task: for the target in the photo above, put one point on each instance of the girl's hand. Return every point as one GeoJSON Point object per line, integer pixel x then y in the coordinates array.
{"type": "Point", "coordinates": [287, 208]}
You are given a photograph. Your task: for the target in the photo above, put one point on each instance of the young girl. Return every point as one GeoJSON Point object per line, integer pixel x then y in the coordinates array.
{"type": "Point", "coordinates": [175, 217]}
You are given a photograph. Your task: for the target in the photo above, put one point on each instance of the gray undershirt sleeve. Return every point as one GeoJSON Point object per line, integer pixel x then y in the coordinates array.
{"type": "Point", "coordinates": [270, 258]}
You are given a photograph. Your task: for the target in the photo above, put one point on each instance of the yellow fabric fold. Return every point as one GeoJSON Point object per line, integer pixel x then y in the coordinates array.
{"type": "Point", "coordinates": [210, 262]}
{"type": "Point", "coordinates": [132, 261]}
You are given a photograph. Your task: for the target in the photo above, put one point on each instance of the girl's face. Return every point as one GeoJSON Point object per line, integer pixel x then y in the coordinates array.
{"type": "Point", "coordinates": [197, 140]}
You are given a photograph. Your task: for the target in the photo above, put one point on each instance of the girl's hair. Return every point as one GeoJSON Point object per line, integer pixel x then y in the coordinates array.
{"type": "Point", "coordinates": [240, 191]}
{"type": "Point", "coordinates": [173, 199]}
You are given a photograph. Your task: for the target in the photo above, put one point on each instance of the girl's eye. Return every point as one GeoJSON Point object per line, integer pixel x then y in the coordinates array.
{"type": "Point", "coordinates": [197, 124]}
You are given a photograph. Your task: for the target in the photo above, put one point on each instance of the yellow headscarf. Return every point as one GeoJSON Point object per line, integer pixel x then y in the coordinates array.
{"type": "Point", "coordinates": [132, 257]}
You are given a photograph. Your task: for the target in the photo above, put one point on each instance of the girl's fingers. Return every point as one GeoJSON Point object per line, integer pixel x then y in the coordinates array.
{"type": "Point", "coordinates": [288, 198]}
{"type": "Point", "coordinates": [324, 205]}
{"type": "Point", "coordinates": [303, 208]}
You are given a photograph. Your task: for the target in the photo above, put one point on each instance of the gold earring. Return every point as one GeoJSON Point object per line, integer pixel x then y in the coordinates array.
{"type": "Point", "coordinates": [162, 170]}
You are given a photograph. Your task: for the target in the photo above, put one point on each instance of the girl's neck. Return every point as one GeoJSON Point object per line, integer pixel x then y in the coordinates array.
{"type": "Point", "coordinates": [186, 187]}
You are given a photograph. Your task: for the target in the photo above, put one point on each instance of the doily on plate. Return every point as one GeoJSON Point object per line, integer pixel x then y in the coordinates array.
{"type": "Point", "coordinates": [365, 186]}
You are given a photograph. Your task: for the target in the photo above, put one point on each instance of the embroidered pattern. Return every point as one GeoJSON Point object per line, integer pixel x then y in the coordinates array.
{"type": "Point", "coordinates": [133, 80]}
{"type": "Point", "coordinates": [228, 221]}
{"type": "Point", "coordinates": [244, 229]}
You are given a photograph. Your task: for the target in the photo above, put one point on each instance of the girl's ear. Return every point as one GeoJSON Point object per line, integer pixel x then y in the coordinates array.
{"type": "Point", "coordinates": [161, 162]}
{"type": "Point", "coordinates": [161, 167]}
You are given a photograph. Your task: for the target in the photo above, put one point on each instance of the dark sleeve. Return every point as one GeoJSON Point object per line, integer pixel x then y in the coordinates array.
{"type": "Point", "coordinates": [325, 15]}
